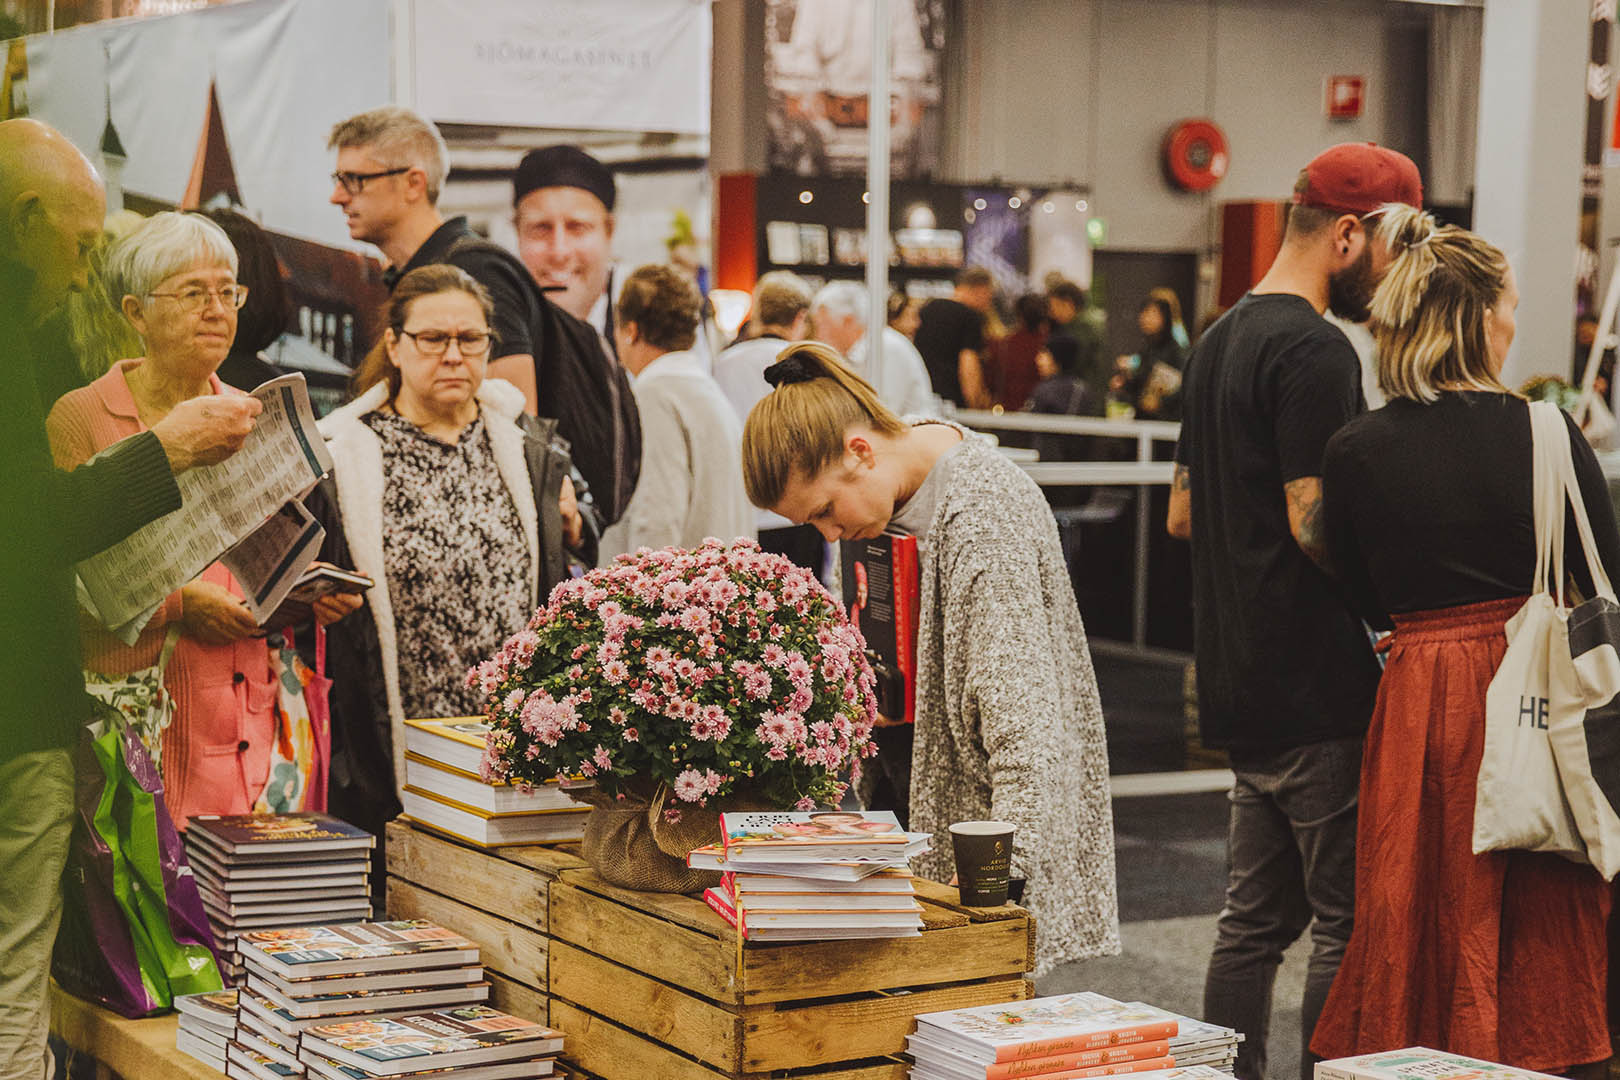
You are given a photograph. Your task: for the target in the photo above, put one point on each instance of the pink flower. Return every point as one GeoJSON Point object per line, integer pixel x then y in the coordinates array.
{"type": "Point", "coordinates": [757, 685]}
{"type": "Point", "coordinates": [630, 734]}
{"type": "Point", "coordinates": [615, 671]}
{"type": "Point", "coordinates": [805, 805]}
{"type": "Point", "coordinates": [618, 716]}
{"type": "Point", "coordinates": [690, 786]}
{"type": "Point", "coordinates": [600, 758]}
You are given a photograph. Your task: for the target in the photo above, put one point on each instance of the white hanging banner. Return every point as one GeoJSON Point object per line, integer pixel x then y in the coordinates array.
{"type": "Point", "coordinates": [609, 65]}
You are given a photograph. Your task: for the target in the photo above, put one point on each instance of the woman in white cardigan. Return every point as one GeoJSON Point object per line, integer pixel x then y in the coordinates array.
{"type": "Point", "coordinates": [1008, 722]}
{"type": "Point", "coordinates": [457, 505]}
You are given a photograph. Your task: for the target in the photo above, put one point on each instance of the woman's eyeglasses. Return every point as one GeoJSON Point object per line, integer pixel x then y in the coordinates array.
{"type": "Point", "coordinates": [231, 297]}
{"type": "Point", "coordinates": [437, 342]}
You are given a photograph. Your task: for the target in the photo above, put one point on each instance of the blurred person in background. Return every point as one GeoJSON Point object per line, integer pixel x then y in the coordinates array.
{"type": "Point", "coordinates": [459, 508]}
{"type": "Point", "coordinates": [266, 315]}
{"type": "Point", "coordinates": [1014, 368]}
{"type": "Point", "coordinates": [951, 339]}
{"type": "Point", "coordinates": [1150, 381]}
{"type": "Point", "coordinates": [1068, 307]}
{"type": "Point", "coordinates": [1178, 326]}
{"type": "Point", "coordinates": [838, 316]}
{"type": "Point", "coordinates": [781, 316]}
{"type": "Point", "coordinates": [562, 209]}
{"type": "Point", "coordinates": [691, 486]}
{"type": "Point", "coordinates": [904, 314]}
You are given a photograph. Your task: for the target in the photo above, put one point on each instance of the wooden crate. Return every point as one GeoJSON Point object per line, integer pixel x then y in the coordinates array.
{"type": "Point", "coordinates": [648, 984]}
{"type": "Point", "coordinates": [497, 897]}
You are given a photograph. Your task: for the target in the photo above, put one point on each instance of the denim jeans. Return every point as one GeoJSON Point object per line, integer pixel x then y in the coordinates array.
{"type": "Point", "coordinates": [1291, 855]}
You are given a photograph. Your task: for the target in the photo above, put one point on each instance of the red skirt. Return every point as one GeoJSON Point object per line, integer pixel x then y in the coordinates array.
{"type": "Point", "coordinates": [1501, 956]}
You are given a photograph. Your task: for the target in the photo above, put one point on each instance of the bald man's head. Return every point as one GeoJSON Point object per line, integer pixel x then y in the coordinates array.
{"type": "Point", "coordinates": [51, 210]}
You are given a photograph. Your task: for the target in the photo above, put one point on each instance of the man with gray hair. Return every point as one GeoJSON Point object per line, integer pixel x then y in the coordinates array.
{"type": "Point", "coordinates": [839, 316]}
{"type": "Point", "coordinates": [782, 314]}
{"type": "Point", "coordinates": [51, 209]}
{"type": "Point", "coordinates": [391, 167]}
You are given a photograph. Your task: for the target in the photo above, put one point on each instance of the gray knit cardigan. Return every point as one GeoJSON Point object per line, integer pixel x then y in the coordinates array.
{"type": "Point", "coordinates": [1009, 726]}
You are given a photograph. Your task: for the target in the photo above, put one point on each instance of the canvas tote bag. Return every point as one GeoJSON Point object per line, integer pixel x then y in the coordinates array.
{"type": "Point", "coordinates": [1585, 721]}
{"type": "Point", "coordinates": [1519, 802]}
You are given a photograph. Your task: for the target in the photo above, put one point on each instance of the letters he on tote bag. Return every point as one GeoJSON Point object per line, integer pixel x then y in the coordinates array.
{"type": "Point", "coordinates": [1519, 802]}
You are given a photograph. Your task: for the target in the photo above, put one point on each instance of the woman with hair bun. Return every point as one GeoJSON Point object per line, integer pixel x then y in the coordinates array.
{"type": "Point", "coordinates": [1427, 507]}
{"type": "Point", "coordinates": [1008, 722]}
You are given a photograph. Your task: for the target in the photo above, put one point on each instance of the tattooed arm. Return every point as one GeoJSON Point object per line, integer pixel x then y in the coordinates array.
{"type": "Point", "coordinates": [1179, 521]}
{"type": "Point", "coordinates": [1305, 518]}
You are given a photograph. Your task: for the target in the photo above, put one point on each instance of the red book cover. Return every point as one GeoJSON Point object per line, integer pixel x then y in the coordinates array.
{"type": "Point", "coordinates": [1135, 1057]}
{"type": "Point", "coordinates": [716, 899]}
{"type": "Point", "coordinates": [883, 589]}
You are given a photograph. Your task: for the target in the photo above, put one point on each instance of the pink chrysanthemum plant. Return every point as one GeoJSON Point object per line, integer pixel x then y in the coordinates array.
{"type": "Point", "coordinates": [706, 671]}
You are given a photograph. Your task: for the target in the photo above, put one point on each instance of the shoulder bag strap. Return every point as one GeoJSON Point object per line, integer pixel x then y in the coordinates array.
{"type": "Point", "coordinates": [1583, 523]}
{"type": "Point", "coordinates": [1548, 443]}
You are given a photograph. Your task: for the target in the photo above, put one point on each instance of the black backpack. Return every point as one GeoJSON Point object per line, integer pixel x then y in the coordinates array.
{"type": "Point", "coordinates": [580, 386]}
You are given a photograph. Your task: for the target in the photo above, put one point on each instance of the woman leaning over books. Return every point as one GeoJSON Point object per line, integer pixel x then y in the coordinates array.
{"type": "Point", "coordinates": [1428, 513]}
{"type": "Point", "coordinates": [1008, 722]}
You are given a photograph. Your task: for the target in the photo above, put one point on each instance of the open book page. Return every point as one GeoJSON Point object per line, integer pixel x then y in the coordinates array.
{"type": "Point", "coordinates": [268, 561]}
{"type": "Point", "coordinates": [281, 460]}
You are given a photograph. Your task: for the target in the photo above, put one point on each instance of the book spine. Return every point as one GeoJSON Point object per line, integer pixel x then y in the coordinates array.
{"type": "Point", "coordinates": [1092, 1040]}
{"type": "Point", "coordinates": [732, 918]}
{"type": "Point", "coordinates": [1085, 1059]}
{"type": "Point", "coordinates": [1148, 1065]}
{"type": "Point", "coordinates": [907, 603]}
{"type": "Point", "coordinates": [1327, 1070]}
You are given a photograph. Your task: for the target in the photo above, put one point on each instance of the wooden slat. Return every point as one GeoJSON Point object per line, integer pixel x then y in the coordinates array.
{"type": "Point", "coordinates": [831, 968]}
{"type": "Point", "coordinates": [685, 911]}
{"type": "Point", "coordinates": [549, 861]}
{"type": "Point", "coordinates": [505, 947]}
{"type": "Point", "coordinates": [517, 998]}
{"type": "Point", "coordinates": [946, 896]}
{"type": "Point", "coordinates": [478, 878]}
{"type": "Point", "coordinates": [136, 1049]}
{"type": "Point", "coordinates": [671, 1016]}
{"type": "Point", "coordinates": [672, 953]}
{"type": "Point", "coordinates": [609, 1051]}
{"type": "Point", "coordinates": [865, 1027]}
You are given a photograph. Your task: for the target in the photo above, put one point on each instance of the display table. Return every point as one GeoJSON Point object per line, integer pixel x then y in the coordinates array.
{"type": "Point", "coordinates": [651, 984]}
{"type": "Point", "coordinates": [132, 1049]}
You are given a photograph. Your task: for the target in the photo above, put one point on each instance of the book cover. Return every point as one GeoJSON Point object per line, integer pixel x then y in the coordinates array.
{"type": "Point", "coordinates": [469, 790]}
{"type": "Point", "coordinates": [457, 741]}
{"type": "Point", "coordinates": [820, 833]}
{"type": "Point", "coordinates": [252, 1023]}
{"type": "Point", "coordinates": [1418, 1063]}
{"type": "Point", "coordinates": [242, 1063]}
{"type": "Point", "coordinates": [327, 1069]}
{"type": "Point", "coordinates": [1149, 1052]}
{"type": "Point", "coordinates": [215, 1008]}
{"type": "Point", "coordinates": [257, 1043]}
{"type": "Point", "coordinates": [400, 980]}
{"type": "Point", "coordinates": [308, 952]}
{"type": "Point", "coordinates": [712, 857]}
{"type": "Point", "coordinates": [475, 1034]}
{"type": "Point", "coordinates": [276, 868]}
{"type": "Point", "coordinates": [894, 882]}
{"type": "Point", "coordinates": [882, 586]}
{"type": "Point", "coordinates": [260, 889]}
{"type": "Point", "coordinates": [332, 900]}
{"type": "Point", "coordinates": [372, 1001]}
{"type": "Point", "coordinates": [262, 921]}
{"type": "Point", "coordinates": [283, 1021]}
{"type": "Point", "coordinates": [1044, 1027]}
{"type": "Point", "coordinates": [278, 833]}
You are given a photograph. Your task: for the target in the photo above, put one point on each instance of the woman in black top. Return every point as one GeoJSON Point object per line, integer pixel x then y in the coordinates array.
{"type": "Point", "coordinates": [1427, 510]}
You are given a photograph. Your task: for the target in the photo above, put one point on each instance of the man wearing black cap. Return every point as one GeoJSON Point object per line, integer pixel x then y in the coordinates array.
{"type": "Point", "coordinates": [391, 165]}
{"type": "Point", "coordinates": [1286, 677]}
{"type": "Point", "coordinates": [562, 207]}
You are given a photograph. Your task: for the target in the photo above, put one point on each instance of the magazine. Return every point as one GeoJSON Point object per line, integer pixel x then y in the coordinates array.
{"type": "Point", "coordinates": [472, 1035]}
{"type": "Point", "coordinates": [417, 999]}
{"type": "Point", "coordinates": [816, 836]}
{"type": "Point", "coordinates": [309, 952]}
{"type": "Point", "coordinates": [1043, 1027]}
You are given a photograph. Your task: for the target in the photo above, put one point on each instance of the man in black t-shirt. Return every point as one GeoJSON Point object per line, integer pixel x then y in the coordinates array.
{"type": "Point", "coordinates": [1286, 677]}
{"type": "Point", "coordinates": [391, 164]}
{"type": "Point", "coordinates": [950, 337]}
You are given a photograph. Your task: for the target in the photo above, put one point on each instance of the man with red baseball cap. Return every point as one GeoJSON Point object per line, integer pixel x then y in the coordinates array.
{"type": "Point", "coordinates": [1286, 678]}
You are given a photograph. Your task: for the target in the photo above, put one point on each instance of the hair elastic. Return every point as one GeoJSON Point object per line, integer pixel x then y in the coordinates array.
{"type": "Point", "coordinates": [790, 369]}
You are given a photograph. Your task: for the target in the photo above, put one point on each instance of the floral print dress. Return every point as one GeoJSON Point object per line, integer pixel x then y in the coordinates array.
{"type": "Point", "coordinates": [457, 561]}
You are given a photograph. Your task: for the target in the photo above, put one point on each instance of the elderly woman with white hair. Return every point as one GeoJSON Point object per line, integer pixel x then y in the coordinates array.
{"type": "Point", "coordinates": [176, 277]}
{"type": "Point", "coordinates": [838, 317]}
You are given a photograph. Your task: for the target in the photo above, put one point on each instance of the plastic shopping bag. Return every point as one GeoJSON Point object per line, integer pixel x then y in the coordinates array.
{"type": "Point", "coordinates": [134, 933]}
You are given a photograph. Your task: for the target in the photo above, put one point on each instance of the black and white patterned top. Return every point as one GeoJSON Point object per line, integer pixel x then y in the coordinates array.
{"type": "Point", "coordinates": [456, 557]}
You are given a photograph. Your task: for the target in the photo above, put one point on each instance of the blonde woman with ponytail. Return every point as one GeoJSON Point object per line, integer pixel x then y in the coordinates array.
{"type": "Point", "coordinates": [1427, 507]}
{"type": "Point", "coordinates": [1008, 722]}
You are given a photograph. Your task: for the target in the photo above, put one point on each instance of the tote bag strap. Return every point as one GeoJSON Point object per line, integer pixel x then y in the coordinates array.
{"type": "Point", "coordinates": [1549, 448]}
{"type": "Point", "coordinates": [1583, 523]}
{"type": "Point", "coordinates": [170, 639]}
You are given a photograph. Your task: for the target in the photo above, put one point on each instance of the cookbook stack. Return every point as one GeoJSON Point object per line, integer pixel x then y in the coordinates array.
{"type": "Point", "coordinates": [815, 876]}
{"type": "Point", "coordinates": [445, 791]}
{"type": "Point", "coordinates": [474, 1042]}
{"type": "Point", "coordinates": [207, 1021]}
{"type": "Point", "coordinates": [256, 871]}
{"type": "Point", "coordinates": [1066, 1037]}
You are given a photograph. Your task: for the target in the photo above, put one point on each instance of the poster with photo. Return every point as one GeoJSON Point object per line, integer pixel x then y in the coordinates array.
{"type": "Point", "coordinates": [818, 71]}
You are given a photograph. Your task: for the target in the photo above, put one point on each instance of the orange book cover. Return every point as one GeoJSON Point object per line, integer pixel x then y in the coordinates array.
{"type": "Point", "coordinates": [1132, 1055]}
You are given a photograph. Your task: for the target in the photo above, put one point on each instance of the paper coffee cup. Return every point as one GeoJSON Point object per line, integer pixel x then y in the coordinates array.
{"type": "Point", "coordinates": [983, 861]}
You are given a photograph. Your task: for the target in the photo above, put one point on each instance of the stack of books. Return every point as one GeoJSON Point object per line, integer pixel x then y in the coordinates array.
{"type": "Point", "coordinates": [256, 871]}
{"type": "Point", "coordinates": [1419, 1063]}
{"type": "Point", "coordinates": [814, 876]}
{"type": "Point", "coordinates": [1069, 1036]}
{"type": "Point", "coordinates": [444, 791]}
{"type": "Point", "coordinates": [207, 1022]}
{"type": "Point", "coordinates": [470, 1043]}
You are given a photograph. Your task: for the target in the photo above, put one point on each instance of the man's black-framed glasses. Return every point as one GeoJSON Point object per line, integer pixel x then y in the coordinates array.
{"type": "Point", "coordinates": [472, 343]}
{"type": "Point", "coordinates": [355, 182]}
